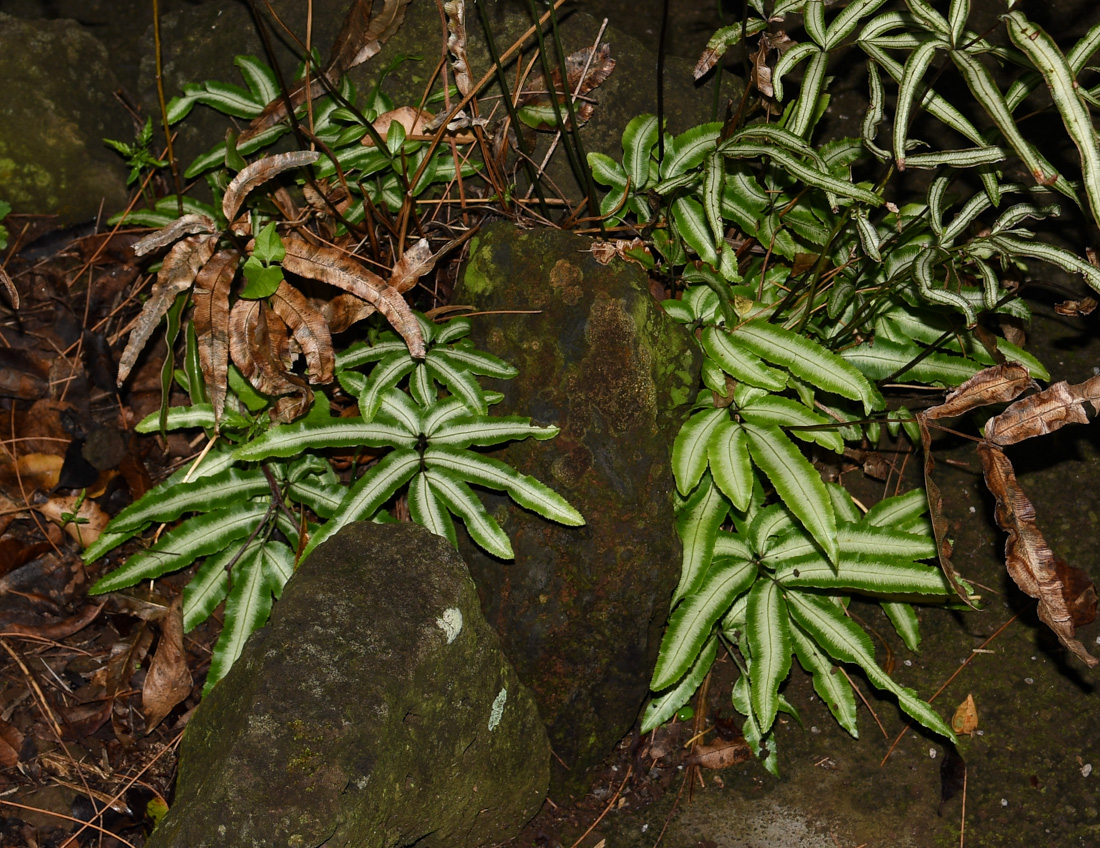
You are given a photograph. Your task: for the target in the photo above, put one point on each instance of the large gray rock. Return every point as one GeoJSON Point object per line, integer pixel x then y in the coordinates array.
{"type": "Point", "coordinates": [374, 710]}
{"type": "Point", "coordinates": [581, 610]}
{"type": "Point", "coordinates": [56, 107]}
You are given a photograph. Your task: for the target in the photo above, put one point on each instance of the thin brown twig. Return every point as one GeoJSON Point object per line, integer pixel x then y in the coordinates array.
{"type": "Point", "coordinates": [607, 809]}
{"type": "Point", "coordinates": [947, 682]}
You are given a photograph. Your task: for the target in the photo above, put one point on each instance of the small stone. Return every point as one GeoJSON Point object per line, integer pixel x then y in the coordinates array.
{"type": "Point", "coordinates": [932, 753]}
{"type": "Point", "coordinates": [1004, 802]}
{"type": "Point", "coordinates": [1086, 769]}
{"type": "Point", "coordinates": [1028, 681]}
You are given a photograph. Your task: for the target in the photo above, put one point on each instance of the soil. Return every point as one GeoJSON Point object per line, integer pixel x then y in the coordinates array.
{"type": "Point", "coordinates": [1029, 764]}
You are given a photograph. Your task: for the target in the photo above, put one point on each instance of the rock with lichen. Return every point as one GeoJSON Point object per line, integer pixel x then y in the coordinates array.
{"type": "Point", "coordinates": [581, 609]}
{"type": "Point", "coordinates": [375, 709]}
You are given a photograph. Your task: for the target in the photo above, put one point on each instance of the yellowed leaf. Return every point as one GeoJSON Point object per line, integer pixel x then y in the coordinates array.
{"type": "Point", "coordinates": [169, 680]}
{"type": "Point", "coordinates": [965, 719]}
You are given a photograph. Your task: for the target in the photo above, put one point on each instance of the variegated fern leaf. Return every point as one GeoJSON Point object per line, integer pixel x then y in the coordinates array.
{"type": "Point", "coordinates": [254, 508]}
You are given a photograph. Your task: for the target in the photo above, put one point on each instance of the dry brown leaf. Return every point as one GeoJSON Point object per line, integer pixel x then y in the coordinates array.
{"type": "Point", "coordinates": [999, 384]}
{"type": "Point", "coordinates": [9, 287]}
{"type": "Point", "coordinates": [260, 172]}
{"type": "Point", "coordinates": [337, 269]}
{"type": "Point", "coordinates": [604, 251]}
{"type": "Point", "coordinates": [1028, 558]}
{"type": "Point", "coordinates": [456, 44]}
{"type": "Point", "coordinates": [414, 121]}
{"type": "Point", "coordinates": [52, 629]}
{"type": "Point", "coordinates": [965, 719]}
{"type": "Point", "coordinates": [1085, 306]}
{"type": "Point", "coordinates": [584, 70]}
{"type": "Point", "coordinates": [308, 328]}
{"type": "Point", "coordinates": [181, 265]}
{"type": "Point", "coordinates": [11, 741]}
{"type": "Point", "coordinates": [720, 755]}
{"type": "Point", "coordinates": [342, 311]}
{"type": "Point", "coordinates": [32, 470]}
{"type": "Point", "coordinates": [935, 511]}
{"type": "Point", "coordinates": [1049, 410]}
{"type": "Point", "coordinates": [414, 263]}
{"type": "Point", "coordinates": [84, 525]}
{"type": "Point", "coordinates": [250, 347]}
{"type": "Point", "coordinates": [169, 680]}
{"type": "Point", "coordinates": [173, 232]}
{"type": "Point", "coordinates": [210, 315]}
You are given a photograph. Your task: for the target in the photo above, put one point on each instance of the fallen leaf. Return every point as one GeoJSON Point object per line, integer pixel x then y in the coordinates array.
{"type": "Point", "coordinates": [456, 44]}
{"type": "Point", "coordinates": [309, 329]}
{"type": "Point", "coordinates": [965, 719]}
{"type": "Point", "coordinates": [84, 523]}
{"type": "Point", "coordinates": [584, 71]}
{"type": "Point", "coordinates": [1085, 306]}
{"type": "Point", "coordinates": [11, 741]}
{"type": "Point", "coordinates": [251, 349]}
{"type": "Point", "coordinates": [720, 755]}
{"type": "Point", "coordinates": [169, 680]}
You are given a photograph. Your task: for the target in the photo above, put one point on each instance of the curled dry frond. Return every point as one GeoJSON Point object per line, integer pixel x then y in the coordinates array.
{"type": "Point", "coordinates": [250, 345]}
{"type": "Point", "coordinates": [584, 70]}
{"type": "Point", "coordinates": [165, 236]}
{"type": "Point", "coordinates": [456, 44]}
{"type": "Point", "coordinates": [211, 318]}
{"type": "Point", "coordinates": [309, 330]}
{"type": "Point", "coordinates": [1065, 594]}
{"type": "Point", "coordinates": [178, 272]}
{"type": "Point", "coordinates": [417, 261]}
{"type": "Point", "coordinates": [337, 269]}
{"type": "Point", "coordinates": [260, 172]}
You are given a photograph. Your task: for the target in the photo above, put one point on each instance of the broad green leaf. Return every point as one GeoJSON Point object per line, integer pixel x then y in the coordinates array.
{"type": "Point", "coordinates": [864, 573]}
{"type": "Point", "coordinates": [229, 99]}
{"type": "Point", "coordinates": [278, 564]}
{"type": "Point", "coordinates": [846, 511]}
{"type": "Point", "coordinates": [196, 537]}
{"type": "Point", "coordinates": [790, 58]}
{"type": "Point", "coordinates": [784, 412]}
{"type": "Point", "coordinates": [689, 149]}
{"type": "Point", "coordinates": [323, 497]}
{"type": "Point", "coordinates": [811, 98]}
{"type": "Point", "coordinates": [246, 610]}
{"type": "Point", "coordinates": [291, 439]}
{"type": "Point", "coordinates": [915, 67]}
{"type": "Point", "coordinates": [639, 139]}
{"type": "Point", "coordinates": [885, 540]}
{"type": "Point", "coordinates": [195, 415]}
{"type": "Point", "coordinates": [460, 499]}
{"type": "Point", "coordinates": [662, 708]}
{"type": "Point", "coordinates": [486, 471]}
{"type": "Point", "coordinates": [809, 361]}
{"type": "Point", "coordinates": [771, 521]}
{"type": "Point", "coordinates": [831, 686]}
{"type": "Point", "coordinates": [477, 362]}
{"type": "Point", "coordinates": [369, 492]}
{"type": "Point", "coordinates": [207, 588]}
{"type": "Point", "coordinates": [427, 510]}
{"type": "Point", "coordinates": [882, 358]}
{"type": "Point", "coordinates": [167, 503]}
{"type": "Point", "coordinates": [761, 742]}
{"type": "Point", "coordinates": [261, 80]}
{"type": "Point", "coordinates": [728, 456]}
{"type": "Point", "coordinates": [697, 523]}
{"type": "Point", "coordinates": [845, 23]}
{"type": "Point", "coordinates": [904, 619]}
{"type": "Point", "coordinates": [726, 349]}
{"type": "Point", "coordinates": [813, 19]}
{"type": "Point", "coordinates": [358, 354]}
{"type": "Point", "coordinates": [462, 431]}
{"type": "Point", "coordinates": [898, 510]}
{"type": "Point", "coordinates": [691, 224]}
{"type": "Point", "coordinates": [768, 630]}
{"type": "Point", "coordinates": [689, 450]}
{"type": "Point", "coordinates": [383, 377]}
{"type": "Point", "coordinates": [797, 483]}
{"type": "Point", "coordinates": [606, 171]}
{"type": "Point", "coordinates": [843, 640]}
{"type": "Point", "coordinates": [460, 382]}
{"type": "Point", "coordinates": [691, 622]}
{"type": "Point", "coordinates": [806, 173]}
{"type": "Point", "coordinates": [1061, 80]}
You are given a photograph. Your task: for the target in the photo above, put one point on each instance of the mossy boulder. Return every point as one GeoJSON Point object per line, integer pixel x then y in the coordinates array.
{"type": "Point", "coordinates": [56, 107]}
{"type": "Point", "coordinates": [374, 710]}
{"type": "Point", "coordinates": [581, 610]}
